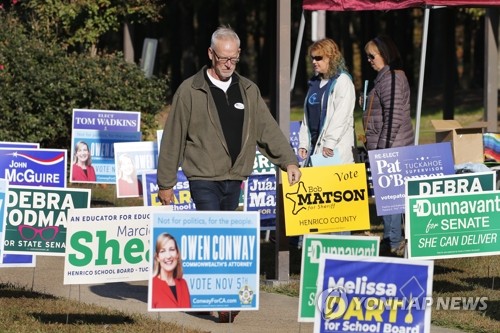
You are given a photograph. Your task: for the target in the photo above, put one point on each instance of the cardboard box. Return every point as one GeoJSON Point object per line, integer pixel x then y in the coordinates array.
{"type": "Point", "coordinates": [467, 142]}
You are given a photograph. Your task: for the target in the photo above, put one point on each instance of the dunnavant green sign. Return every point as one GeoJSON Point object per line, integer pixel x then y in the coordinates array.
{"type": "Point", "coordinates": [458, 225]}
{"type": "Point", "coordinates": [313, 247]}
{"type": "Point", "coordinates": [432, 229]}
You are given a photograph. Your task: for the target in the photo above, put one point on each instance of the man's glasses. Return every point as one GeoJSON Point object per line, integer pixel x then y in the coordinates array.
{"type": "Point", "coordinates": [317, 58]}
{"type": "Point", "coordinates": [223, 60]}
{"type": "Point", "coordinates": [371, 56]}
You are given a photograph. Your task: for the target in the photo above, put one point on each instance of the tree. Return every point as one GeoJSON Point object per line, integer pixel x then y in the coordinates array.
{"type": "Point", "coordinates": [41, 84]}
{"type": "Point", "coordinates": [79, 24]}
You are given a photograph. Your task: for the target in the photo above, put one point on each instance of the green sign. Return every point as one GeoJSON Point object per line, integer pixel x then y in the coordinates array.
{"type": "Point", "coordinates": [461, 183]}
{"type": "Point", "coordinates": [36, 218]}
{"type": "Point", "coordinates": [313, 247]}
{"type": "Point", "coordinates": [456, 225]}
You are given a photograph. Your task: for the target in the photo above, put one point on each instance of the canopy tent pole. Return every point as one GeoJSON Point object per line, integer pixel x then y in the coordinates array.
{"type": "Point", "coordinates": [282, 253]}
{"type": "Point", "coordinates": [422, 71]}
{"type": "Point", "coordinates": [491, 69]}
{"type": "Point", "coordinates": [300, 36]}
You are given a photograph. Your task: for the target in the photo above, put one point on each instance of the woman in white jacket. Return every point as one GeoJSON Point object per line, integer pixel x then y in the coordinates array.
{"type": "Point", "coordinates": [328, 124]}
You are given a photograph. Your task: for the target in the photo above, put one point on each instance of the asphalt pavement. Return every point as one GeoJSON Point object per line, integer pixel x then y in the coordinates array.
{"type": "Point", "coordinates": [277, 313]}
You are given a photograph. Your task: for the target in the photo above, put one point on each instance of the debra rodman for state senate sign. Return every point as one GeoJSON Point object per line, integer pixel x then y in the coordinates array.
{"type": "Point", "coordinates": [107, 245]}
{"type": "Point", "coordinates": [219, 252]}
{"type": "Point", "coordinates": [327, 199]}
{"type": "Point", "coordinates": [36, 218]}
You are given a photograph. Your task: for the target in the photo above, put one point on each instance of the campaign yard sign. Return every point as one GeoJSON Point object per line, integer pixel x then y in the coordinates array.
{"type": "Point", "coordinates": [182, 195]}
{"type": "Point", "coordinates": [453, 184]}
{"type": "Point", "coordinates": [327, 199]}
{"type": "Point", "coordinates": [260, 196]}
{"type": "Point", "coordinates": [314, 246]}
{"type": "Point", "coordinates": [131, 160]}
{"type": "Point", "coordinates": [373, 294]}
{"type": "Point", "coordinates": [454, 225]}
{"type": "Point", "coordinates": [8, 144]}
{"type": "Point", "coordinates": [390, 168]}
{"type": "Point", "coordinates": [219, 255]}
{"type": "Point", "coordinates": [262, 165]}
{"type": "Point", "coordinates": [10, 260]}
{"type": "Point", "coordinates": [106, 245]}
{"type": "Point", "coordinates": [36, 218]}
{"type": "Point", "coordinates": [25, 164]}
{"type": "Point", "coordinates": [294, 138]}
{"type": "Point", "coordinates": [99, 130]}
{"type": "Point", "coordinates": [33, 167]}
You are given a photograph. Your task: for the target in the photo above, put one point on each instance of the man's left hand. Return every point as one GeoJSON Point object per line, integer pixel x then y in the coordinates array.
{"type": "Point", "coordinates": [293, 173]}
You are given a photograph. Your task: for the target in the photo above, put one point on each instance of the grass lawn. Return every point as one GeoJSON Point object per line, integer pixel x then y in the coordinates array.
{"type": "Point", "coordinates": [23, 311]}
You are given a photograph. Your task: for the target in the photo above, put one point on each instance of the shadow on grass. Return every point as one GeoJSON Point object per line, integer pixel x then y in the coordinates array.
{"type": "Point", "coordinates": [493, 311]}
{"type": "Point", "coordinates": [81, 319]}
{"type": "Point", "coordinates": [449, 287]}
{"type": "Point", "coordinates": [11, 291]}
{"type": "Point", "coordinates": [121, 291]}
{"type": "Point", "coordinates": [445, 270]}
{"type": "Point", "coordinates": [204, 315]}
{"type": "Point", "coordinates": [487, 283]}
{"type": "Point", "coordinates": [101, 203]}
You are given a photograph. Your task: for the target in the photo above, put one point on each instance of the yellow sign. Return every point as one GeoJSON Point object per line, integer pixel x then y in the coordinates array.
{"type": "Point", "coordinates": [327, 199]}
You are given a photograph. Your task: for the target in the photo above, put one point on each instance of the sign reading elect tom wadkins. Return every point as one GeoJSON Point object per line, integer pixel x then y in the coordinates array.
{"type": "Point", "coordinates": [327, 199]}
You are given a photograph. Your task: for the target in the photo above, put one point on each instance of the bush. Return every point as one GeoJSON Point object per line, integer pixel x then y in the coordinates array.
{"type": "Point", "coordinates": [41, 84]}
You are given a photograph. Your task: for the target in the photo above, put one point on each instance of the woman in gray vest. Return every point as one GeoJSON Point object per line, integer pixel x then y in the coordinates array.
{"type": "Point", "coordinates": [387, 120]}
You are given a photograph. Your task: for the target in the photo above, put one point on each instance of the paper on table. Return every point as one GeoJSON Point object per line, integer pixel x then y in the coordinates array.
{"type": "Point", "coordinates": [320, 160]}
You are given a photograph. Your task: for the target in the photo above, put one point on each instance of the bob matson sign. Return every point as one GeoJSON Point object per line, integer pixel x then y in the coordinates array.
{"type": "Point", "coordinates": [327, 199]}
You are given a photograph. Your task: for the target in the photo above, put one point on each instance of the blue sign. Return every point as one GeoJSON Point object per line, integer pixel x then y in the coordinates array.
{"type": "Point", "coordinates": [5, 144]}
{"type": "Point", "coordinates": [95, 132]}
{"type": "Point", "coordinates": [294, 137]}
{"type": "Point", "coordinates": [33, 167]}
{"type": "Point", "coordinates": [21, 260]}
{"type": "Point", "coordinates": [391, 167]}
{"type": "Point", "coordinates": [373, 294]}
{"type": "Point", "coordinates": [132, 159]}
{"type": "Point", "coordinates": [10, 260]}
{"type": "Point", "coordinates": [219, 256]}
{"type": "Point", "coordinates": [260, 196]}
{"type": "Point", "coordinates": [105, 120]}
{"type": "Point", "coordinates": [182, 194]}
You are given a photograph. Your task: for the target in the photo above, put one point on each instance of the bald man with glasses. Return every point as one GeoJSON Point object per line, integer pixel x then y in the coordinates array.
{"type": "Point", "coordinates": [217, 120]}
